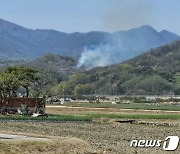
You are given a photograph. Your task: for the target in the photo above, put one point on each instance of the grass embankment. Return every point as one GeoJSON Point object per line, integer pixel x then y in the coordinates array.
{"type": "Point", "coordinates": [51, 117]}
{"type": "Point", "coordinates": [135, 116]}
{"type": "Point", "coordinates": [89, 117]}
{"type": "Point", "coordinates": [143, 106]}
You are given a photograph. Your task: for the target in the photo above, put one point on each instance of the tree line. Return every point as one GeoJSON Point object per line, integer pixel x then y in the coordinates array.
{"type": "Point", "coordinates": [20, 80]}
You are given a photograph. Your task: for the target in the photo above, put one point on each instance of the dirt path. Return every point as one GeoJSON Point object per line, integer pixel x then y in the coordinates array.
{"type": "Point", "coordinates": [19, 137]}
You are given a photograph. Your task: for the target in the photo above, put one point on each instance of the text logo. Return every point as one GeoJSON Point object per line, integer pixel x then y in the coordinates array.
{"type": "Point", "coordinates": [169, 144]}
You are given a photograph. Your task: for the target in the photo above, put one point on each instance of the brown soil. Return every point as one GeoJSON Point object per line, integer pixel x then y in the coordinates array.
{"type": "Point", "coordinates": [110, 138]}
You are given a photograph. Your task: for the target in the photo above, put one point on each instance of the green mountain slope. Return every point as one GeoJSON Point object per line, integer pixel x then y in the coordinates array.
{"type": "Point", "coordinates": [153, 73]}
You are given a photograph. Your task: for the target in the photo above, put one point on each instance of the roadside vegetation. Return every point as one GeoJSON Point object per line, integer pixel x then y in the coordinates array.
{"type": "Point", "coordinates": [20, 82]}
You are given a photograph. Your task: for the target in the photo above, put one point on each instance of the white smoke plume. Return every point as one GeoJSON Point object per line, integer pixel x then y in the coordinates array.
{"type": "Point", "coordinates": [104, 54]}
{"type": "Point", "coordinates": [121, 14]}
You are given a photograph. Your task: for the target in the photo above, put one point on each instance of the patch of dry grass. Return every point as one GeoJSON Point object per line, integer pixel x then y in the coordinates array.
{"type": "Point", "coordinates": [54, 146]}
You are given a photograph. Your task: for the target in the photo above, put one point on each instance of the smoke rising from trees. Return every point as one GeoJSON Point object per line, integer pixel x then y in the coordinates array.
{"type": "Point", "coordinates": [120, 15]}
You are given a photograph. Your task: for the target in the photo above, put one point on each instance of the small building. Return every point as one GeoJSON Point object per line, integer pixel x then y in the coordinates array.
{"type": "Point", "coordinates": [24, 105]}
{"type": "Point", "coordinates": [150, 98]}
{"type": "Point", "coordinates": [58, 101]}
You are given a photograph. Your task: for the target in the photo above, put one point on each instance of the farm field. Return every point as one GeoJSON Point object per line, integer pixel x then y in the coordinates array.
{"type": "Point", "coordinates": [110, 138]}
{"type": "Point", "coordinates": [103, 133]}
{"type": "Point", "coordinates": [86, 110]}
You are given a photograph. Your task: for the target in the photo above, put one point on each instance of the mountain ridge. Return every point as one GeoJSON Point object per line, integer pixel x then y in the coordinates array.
{"type": "Point", "coordinates": [17, 42]}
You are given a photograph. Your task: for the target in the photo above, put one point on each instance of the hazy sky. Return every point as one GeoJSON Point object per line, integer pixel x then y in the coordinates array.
{"type": "Point", "coordinates": [92, 15]}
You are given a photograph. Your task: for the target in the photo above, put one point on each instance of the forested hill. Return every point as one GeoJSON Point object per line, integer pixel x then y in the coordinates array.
{"type": "Point", "coordinates": [155, 73]}
{"type": "Point", "coordinates": [55, 66]}
{"type": "Point", "coordinates": [165, 58]}
{"type": "Point", "coordinates": [54, 63]}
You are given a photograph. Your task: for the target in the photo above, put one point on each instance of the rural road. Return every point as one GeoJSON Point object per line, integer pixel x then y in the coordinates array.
{"type": "Point", "coordinates": [18, 137]}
